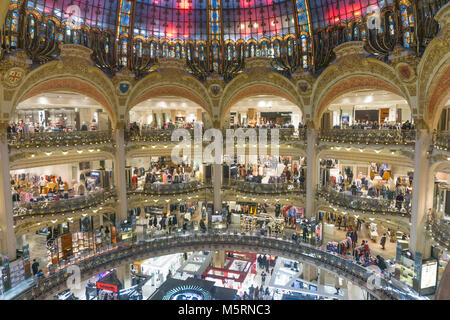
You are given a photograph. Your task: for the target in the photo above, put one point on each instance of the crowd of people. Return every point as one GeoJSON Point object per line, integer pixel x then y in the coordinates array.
{"type": "Point", "coordinates": [267, 125]}
{"type": "Point", "coordinates": [385, 188]}
{"type": "Point", "coordinates": [374, 125]}
{"type": "Point", "coordinates": [137, 128]}
{"type": "Point", "coordinates": [26, 188]}
{"type": "Point", "coordinates": [161, 173]}
{"type": "Point", "coordinates": [22, 128]}
{"type": "Point", "coordinates": [270, 170]}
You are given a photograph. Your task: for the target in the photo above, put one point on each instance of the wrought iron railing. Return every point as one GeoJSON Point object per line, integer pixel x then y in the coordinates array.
{"type": "Point", "coordinates": [372, 205]}
{"type": "Point", "coordinates": [43, 208]}
{"type": "Point", "coordinates": [441, 232]}
{"type": "Point", "coordinates": [151, 135]}
{"type": "Point", "coordinates": [267, 188]}
{"type": "Point", "coordinates": [136, 251]}
{"type": "Point", "coordinates": [159, 189]}
{"type": "Point", "coordinates": [369, 136]}
{"type": "Point", "coordinates": [441, 140]}
{"type": "Point", "coordinates": [59, 139]}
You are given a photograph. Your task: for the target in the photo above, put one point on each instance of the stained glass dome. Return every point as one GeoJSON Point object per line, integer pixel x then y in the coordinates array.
{"type": "Point", "coordinates": [217, 35]}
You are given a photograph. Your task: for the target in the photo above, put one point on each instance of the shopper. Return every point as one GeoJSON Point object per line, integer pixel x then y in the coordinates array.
{"type": "Point", "coordinates": [35, 267]}
{"type": "Point", "coordinates": [383, 241]}
{"type": "Point", "coordinates": [202, 225]}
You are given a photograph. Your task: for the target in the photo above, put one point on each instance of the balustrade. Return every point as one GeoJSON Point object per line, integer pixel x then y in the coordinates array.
{"type": "Point", "coordinates": [441, 140]}
{"type": "Point", "coordinates": [157, 246]}
{"type": "Point", "coordinates": [169, 189]}
{"type": "Point", "coordinates": [373, 205]}
{"type": "Point", "coordinates": [58, 139]}
{"type": "Point", "coordinates": [63, 205]}
{"type": "Point", "coordinates": [369, 136]}
{"type": "Point", "coordinates": [267, 188]}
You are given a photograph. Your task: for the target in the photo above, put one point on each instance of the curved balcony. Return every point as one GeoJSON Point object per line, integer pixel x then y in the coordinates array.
{"type": "Point", "coordinates": [369, 136]}
{"type": "Point", "coordinates": [151, 135]}
{"type": "Point", "coordinates": [369, 205]}
{"type": "Point", "coordinates": [441, 140]}
{"type": "Point", "coordinates": [58, 139]}
{"type": "Point", "coordinates": [92, 263]}
{"type": "Point", "coordinates": [267, 188]}
{"type": "Point", "coordinates": [441, 232]}
{"type": "Point", "coordinates": [43, 208]}
{"type": "Point", "coordinates": [160, 189]}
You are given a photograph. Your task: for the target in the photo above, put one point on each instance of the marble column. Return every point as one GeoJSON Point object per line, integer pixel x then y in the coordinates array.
{"type": "Point", "coordinates": [217, 184]}
{"type": "Point", "coordinates": [218, 259]}
{"type": "Point", "coordinates": [124, 275]}
{"type": "Point", "coordinates": [420, 192]}
{"type": "Point", "coordinates": [354, 292]}
{"type": "Point", "coordinates": [119, 173]}
{"type": "Point", "coordinates": [311, 172]}
{"type": "Point", "coordinates": [309, 273]}
{"type": "Point", "coordinates": [7, 236]}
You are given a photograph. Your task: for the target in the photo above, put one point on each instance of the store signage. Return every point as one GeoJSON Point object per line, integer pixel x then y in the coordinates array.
{"type": "Point", "coordinates": [107, 287]}
{"type": "Point", "coordinates": [429, 274]}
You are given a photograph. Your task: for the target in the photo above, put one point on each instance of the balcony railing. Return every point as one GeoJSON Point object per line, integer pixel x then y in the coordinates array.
{"type": "Point", "coordinates": [202, 241]}
{"type": "Point", "coordinates": [369, 136]}
{"type": "Point", "coordinates": [441, 232]}
{"type": "Point", "coordinates": [267, 188]}
{"type": "Point", "coordinates": [151, 135]}
{"type": "Point", "coordinates": [159, 189]}
{"type": "Point", "coordinates": [58, 139]}
{"type": "Point", "coordinates": [371, 205]}
{"type": "Point", "coordinates": [441, 140]}
{"type": "Point", "coordinates": [64, 205]}
{"type": "Point", "coordinates": [156, 135]}
{"type": "Point", "coordinates": [284, 134]}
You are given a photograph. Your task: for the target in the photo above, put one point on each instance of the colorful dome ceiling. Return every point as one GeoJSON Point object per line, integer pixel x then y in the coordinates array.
{"type": "Point", "coordinates": [194, 19]}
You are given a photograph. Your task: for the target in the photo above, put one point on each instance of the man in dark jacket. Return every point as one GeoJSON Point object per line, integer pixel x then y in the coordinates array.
{"type": "Point", "coordinates": [35, 267]}
{"type": "Point", "coordinates": [202, 225]}
{"type": "Point", "coordinates": [383, 241]}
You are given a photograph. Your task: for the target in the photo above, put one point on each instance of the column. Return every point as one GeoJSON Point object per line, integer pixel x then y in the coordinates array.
{"type": "Point", "coordinates": [311, 172]}
{"type": "Point", "coordinates": [218, 259]}
{"type": "Point", "coordinates": [217, 184]}
{"type": "Point", "coordinates": [7, 236]}
{"type": "Point", "coordinates": [354, 292]}
{"type": "Point", "coordinates": [309, 273]}
{"type": "Point", "coordinates": [420, 191]}
{"type": "Point", "coordinates": [119, 173]}
{"type": "Point", "coordinates": [124, 275]}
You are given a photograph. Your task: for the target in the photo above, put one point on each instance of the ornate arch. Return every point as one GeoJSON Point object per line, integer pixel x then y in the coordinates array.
{"type": "Point", "coordinates": [57, 76]}
{"type": "Point", "coordinates": [353, 73]}
{"type": "Point", "coordinates": [161, 84]}
{"type": "Point", "coordinates": [246, 85]}
{"type": "Point", "coordinates": [434, 80]}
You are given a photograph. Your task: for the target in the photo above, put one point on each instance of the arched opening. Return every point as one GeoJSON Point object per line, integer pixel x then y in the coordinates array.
{"type": "Point", "coordinates": [367, 109]}
{"type": "Point", "coordinates": [264, 111]}
{"type": "Point", "coordinates": [442, 120]}
{"type": "Point", "coordinates": [166, 112]}
{"type": "Point", "coordinates": [171, 99]}
{"type": "Point", "coordinates": [260, 92]}
{"type": "Point", "coordinates": [60, 111]}
{"type": "Point", "coordinates": [72, 88]}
